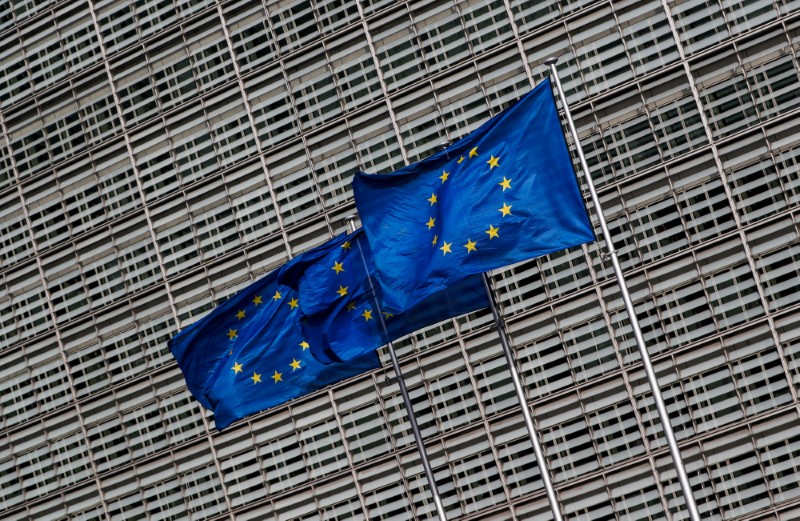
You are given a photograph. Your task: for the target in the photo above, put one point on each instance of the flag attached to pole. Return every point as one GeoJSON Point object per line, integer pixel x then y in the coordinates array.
{"type": "Point", "coordinates": [250, 353]}
{"type": "Point", "coordinates": [343, 317]}
{"type": "Point", "coordinates": [505, 193]}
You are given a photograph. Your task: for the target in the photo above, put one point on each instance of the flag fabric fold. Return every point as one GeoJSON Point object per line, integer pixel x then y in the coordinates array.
{"type": "Point", "coordinates": [339, 304]}
{"type": "Point", "coordinates": [250, 353]}
{"type": "Point", "coordinates": [505, 193]}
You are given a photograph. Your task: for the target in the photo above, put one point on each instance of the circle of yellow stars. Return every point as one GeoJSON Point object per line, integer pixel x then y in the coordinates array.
{"type": "Point", "coordinates": [232, 334]}
{"type": "Point", "coordinates": [493, 231]}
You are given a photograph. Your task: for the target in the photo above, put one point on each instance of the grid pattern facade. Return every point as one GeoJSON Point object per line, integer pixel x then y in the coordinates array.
{"type": "Point", "coordinates": [158, 156]}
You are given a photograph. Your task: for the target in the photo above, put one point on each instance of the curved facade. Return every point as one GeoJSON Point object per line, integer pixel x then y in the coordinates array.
{"type": "Point", "coordinates": [158, 156]}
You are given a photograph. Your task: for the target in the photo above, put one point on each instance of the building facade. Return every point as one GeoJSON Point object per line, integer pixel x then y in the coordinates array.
{"type": "Point", "coordinates": [156, 156]}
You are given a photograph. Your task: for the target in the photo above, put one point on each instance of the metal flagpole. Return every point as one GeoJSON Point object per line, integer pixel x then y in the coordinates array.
{"type": "Point", "coordinates": [523, 402]}
{"type": "Point", "coordinates": [669, 434]}
{"type": "Point", "coordinates": [426, 464]}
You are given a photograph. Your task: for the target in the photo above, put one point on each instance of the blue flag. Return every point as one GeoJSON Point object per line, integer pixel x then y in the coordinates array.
{"type": "Point", "coordinates": [251, 353]}
{"type": "Point", "coordinates": [341, 316]}
{"type": "Point", "coordinates": [505, 193]}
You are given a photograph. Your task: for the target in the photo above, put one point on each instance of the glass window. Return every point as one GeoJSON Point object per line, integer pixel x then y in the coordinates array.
{"type": "Point", "coordinates": [778, 448]}
{"type": "Point", "coordinates": [312, 87]}
{"type": "Point", "coordinates": [171, 71]}
{"type": "Point", "coordinates": [555, 42]}
{"type": "Point", "coordinates": [14, 84]}
{"type": "Point", "coordinates": [250, 34]}
{"type": "Point", "coordinates": [77, 36]}
{"type": "Point", "coordinates": [375, 141]}
{"type": "Point", "coordinates": [736, 474]}
{"type": "Point", "coordinates": [475, 471]}
{"type": "Point", "coordinates": [354, 69]}
{"type": "Point", "coordinates": [588, 502]}
{"type": "Point", "coordinates": [15, 237]}
{"type": "Point", "coordinates": [208, 50]}
{"type": "Point", "coordinates": [566, 437]}
{"type": "Point", "coordinates": [451, 393]}
{"type": "Point", "coordinates": [461, 101]}
{"type": "Point", "coordinates": [152, 17]}
{"type": "Point", "coordinates": [529, 15]}
{"type": "Point", "coordinates": [440, 33]}
{"type": "Point", "coordinates": [673, 114]}
{"type": "Point", "coordinates": [362, 420]}
{"type": "Point", "coordinates": [647, 34]}
{"type": "Point", "coordinates": [397, 48]}
{"type": "Point", "coordinates": [745, 15]}
{"type": "Point", "coordinates": [117, 24]}
{"type": "Point", "coordinates": [151, 152]}
{"type": "Point", "coordinates": [230, 127]}
{"type": "Point", "coordinates": [292, 23]}
{"type": "Point", "coordinates": [294, 184]}
{"type": "Point", "coordinates": [515, 456]}
{"type": "Point", "coordinates": [46, 60]}
{"type": "Point", "coordinates": [136, 92]}
{"type": "Point", "coordinates": [279, 451]}
{"type": "Point", "coordinates": [487, 24]}
{"type": "Point", "coordinates": [335, 162]}
{"type": "Point", "coordinates": [420, 123]}
{"type": "Point", "coordinates": [253, 209]}
{"type": "Point", "coordinates": [600, 51]}
{"type": "Point", "coordinates": [503, 78]}
{"type": "Point", "coordinates": [272, 109]}
{"type": "Point", "coordinates": [384, 492]}
{"type": "Point", "coordinates": [700, 24]}
{"type": "Point", "coordinates": [334, 15]}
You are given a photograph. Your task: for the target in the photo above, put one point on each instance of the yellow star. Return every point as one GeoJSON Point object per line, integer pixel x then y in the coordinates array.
{"type": "Point", "coordinates": [435, 240]}
{"type": "Point", "coordinates": [460, 160]}
{"type": "Point", "coordinates": [337, 267]}
{"type": "Point", "coordinates": [240, 314]}
{"type": "Point", "coordinates": [432, 199]}
{"type": "Point", "coordinates": [351, 306]}
{"type": "Point", "coordinates": [256, 377]}
{"type": "Point", "coordinates": [444, 176]}
{"type": "Point", "coordinates": [294, 303]}
{"type": "Point", "coordinates": [237, 368]}
{"type": "Point", "coordinates": [387, 314]}
{"type": "Point", "coordinates": [295, 364]}
{"type": "Point", "coordinates": [277, 295]}
{"type": "Point", "coordinates": [505, 183]}
{"type": "Point", "coordinates": [346, 245]}
{"type": "Point", "coordinates": [257, 300]}
{"type": "Point", "coordinates": [493, 162]}
{"type": "Point", "coordinates": [276, 377]}
{"type": "Point", "coordinates": [232, 334]}
{"type": "Point", "coordinates": [505, 210]}
{"type": "Point", "coordinates": [492, 231]}
{"type": "Point", "coordinates": [470, 246]}
{"type": "Point", "coordinates": [431, 222]}
{"type": "Point", "coordinates": [304, 345]}
{"type": "Point", "coordinates": [473, 153]}
{"type": "Point", "coordinates": [342, 291]}
{"type": "Point", "coordinates": [446, 248]}
{"type": "Point", "coordinates": [367, 314]}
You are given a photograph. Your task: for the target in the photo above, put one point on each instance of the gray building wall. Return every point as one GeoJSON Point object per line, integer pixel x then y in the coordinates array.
{"type": "Point", "coordinates": [158, 156]}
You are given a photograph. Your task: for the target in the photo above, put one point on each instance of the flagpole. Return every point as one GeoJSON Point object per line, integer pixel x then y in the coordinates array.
{"type": "Point", "coordinates": [669, 434]}
{"type": "Point", "coordinates": [541, 460]}
{"type": "Point", "coordinates": [426, 464]}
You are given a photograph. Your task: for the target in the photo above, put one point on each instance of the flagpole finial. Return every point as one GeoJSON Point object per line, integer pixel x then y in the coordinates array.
{"type": "Point", "coordinates": [444, 144]}
{"type": "Point", "coordinates": [350, 219]}
{"type": "Point", "coordinates": [551, 60]}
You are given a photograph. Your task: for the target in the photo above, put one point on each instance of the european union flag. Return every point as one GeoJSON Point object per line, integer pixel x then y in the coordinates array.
{"type": "Point", "coordinates": [251, 353]}
{"type": "Point", "coordinates": [505, 193]}
{"type": "Point", "coordinates": [339, 303]}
